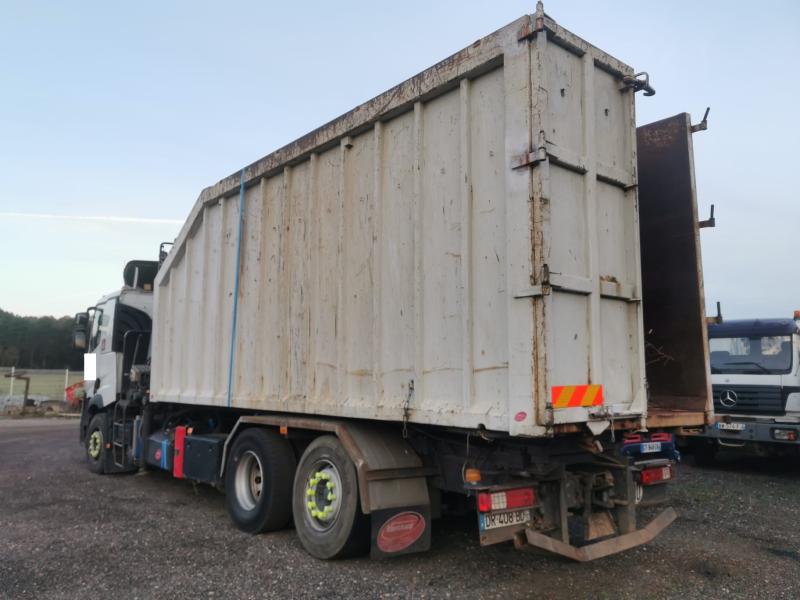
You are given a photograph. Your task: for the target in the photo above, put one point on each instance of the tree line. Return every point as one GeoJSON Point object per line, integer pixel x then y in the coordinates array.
{"type": "Point", "coordinates": [37, 343]}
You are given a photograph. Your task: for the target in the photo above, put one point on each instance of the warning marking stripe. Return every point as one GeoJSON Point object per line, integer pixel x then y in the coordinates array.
{"type": "Point", "coordinates": [572, 396]}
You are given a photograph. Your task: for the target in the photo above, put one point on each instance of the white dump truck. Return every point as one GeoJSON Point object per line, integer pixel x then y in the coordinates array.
{"type": "Point", "coordinates": [480, 290]}
{"type": "Point", "coordinates": [755, 376]}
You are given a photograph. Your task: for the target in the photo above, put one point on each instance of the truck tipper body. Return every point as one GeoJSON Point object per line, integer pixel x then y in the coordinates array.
{"type": "Point", "coordinates": [470, 293]}
{"type": "Point", "coordinates": [755, 375]}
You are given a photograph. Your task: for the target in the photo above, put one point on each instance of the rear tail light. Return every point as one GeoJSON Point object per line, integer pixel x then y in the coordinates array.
{"type": "Point", "coordinates": [785, 435]}
{"type": "Point", "coordinates": [506, 500]}
{"type": "Point", "coordinates": [637, 438]}
{"type": "Point", "coordinates": [655, 475]}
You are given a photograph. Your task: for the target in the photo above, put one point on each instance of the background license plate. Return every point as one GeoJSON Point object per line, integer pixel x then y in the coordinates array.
{"type": "Point", "coordinates": [504, 519]}
{"type": "Point", "coordinates": [651, 447]}
{"type": "Point", "coordinates": [731, 426]}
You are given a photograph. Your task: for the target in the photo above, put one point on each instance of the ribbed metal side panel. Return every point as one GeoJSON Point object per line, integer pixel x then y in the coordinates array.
{"type": "Point", "coordinates": [405, 242]}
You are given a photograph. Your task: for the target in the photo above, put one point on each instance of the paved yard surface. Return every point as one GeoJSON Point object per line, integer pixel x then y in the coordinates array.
{"type": "Point", "coordinates": [65, 533]}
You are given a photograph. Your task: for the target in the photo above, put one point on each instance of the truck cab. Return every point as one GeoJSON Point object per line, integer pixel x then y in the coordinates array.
{"type": "Point", "coordinates": [115, 334]}
{"type": "Point", "coordinates": [755, 376]}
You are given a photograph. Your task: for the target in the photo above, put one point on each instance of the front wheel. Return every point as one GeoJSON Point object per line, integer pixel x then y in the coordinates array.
{"type": "Point", "coordinates": [258, 481]}
{"type": "Point", "coordinates": [96, 443]}
{"type": "Point", "coordinates": [704, 452]}
{"type": "Point", "coordinates": [327, 515]}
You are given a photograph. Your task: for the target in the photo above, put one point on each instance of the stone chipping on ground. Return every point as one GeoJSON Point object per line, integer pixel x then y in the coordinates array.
{"type": "Point", "coordinates": [65, 533]}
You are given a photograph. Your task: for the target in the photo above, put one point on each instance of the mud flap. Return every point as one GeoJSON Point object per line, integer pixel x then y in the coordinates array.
{"type": "Point", "coordinates": [400, 531]}
{"type": "Point", "coordinates": [531, 537]}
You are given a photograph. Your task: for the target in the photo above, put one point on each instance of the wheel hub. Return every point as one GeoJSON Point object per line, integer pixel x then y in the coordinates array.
{"type": "Point", "coordinates": [249, 480]}
{"type": "Point", "coordinates": [95, 443]}
{"type": "Point", "coordinates": [323, 487]}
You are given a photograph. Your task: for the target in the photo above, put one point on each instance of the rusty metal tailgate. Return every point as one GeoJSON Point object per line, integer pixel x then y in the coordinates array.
{"type": "Point", "coordinates": [676, 341]}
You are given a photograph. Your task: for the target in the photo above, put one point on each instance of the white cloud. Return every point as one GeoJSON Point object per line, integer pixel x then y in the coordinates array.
{"type": "Point", "coordinates": [19, 215]}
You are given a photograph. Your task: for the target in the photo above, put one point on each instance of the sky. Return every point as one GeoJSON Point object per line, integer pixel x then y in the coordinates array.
{"type": "Point", "coordinates": [128, 110]}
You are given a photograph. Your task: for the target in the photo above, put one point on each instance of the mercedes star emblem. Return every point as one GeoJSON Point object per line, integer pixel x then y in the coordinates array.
{"type": "Point", "coordinates": [728, 398]}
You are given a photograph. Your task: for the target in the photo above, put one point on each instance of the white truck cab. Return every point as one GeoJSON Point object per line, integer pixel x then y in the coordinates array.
{"type": "Point", "coordinates": [115, 333]}
{"type": "Point", "coordinates": [755, 377]}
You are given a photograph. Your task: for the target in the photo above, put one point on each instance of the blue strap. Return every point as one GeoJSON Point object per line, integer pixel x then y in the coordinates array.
{"type": "Point", "coordinates": [236, 284]}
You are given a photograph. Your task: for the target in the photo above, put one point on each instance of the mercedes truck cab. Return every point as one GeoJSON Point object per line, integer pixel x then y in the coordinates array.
{"type": "Point", "coordinates": [755, 376]}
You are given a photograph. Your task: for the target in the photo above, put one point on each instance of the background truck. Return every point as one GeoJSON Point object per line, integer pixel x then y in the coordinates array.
{"type": "Point", "coordinates": [457, 296]}
{"type": "Point", "coordinates": [755, 374]}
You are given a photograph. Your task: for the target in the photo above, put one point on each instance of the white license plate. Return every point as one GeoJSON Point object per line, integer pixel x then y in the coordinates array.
{"type": "Point", "coordinates": [648, 447]}
{"type": "Point", "coordinates": [504, 519]}
{"type": "Point", "coordinates": [731, 426]}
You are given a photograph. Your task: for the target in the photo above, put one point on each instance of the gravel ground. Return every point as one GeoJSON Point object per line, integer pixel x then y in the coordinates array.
{"type": "Point", "coordinates": [65, 533]}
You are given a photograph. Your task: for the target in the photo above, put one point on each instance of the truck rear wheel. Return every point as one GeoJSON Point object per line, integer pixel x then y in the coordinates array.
{"type": "Point", "coordinates": [96, 443]}
{"type": "Point", "coordinates": [327, 515]}
{"type": "Point", "coordinates": [258, 481]}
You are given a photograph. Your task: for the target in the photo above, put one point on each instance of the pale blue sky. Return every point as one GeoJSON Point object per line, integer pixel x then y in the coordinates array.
{"type": "Point", "coordinates": [130, 109]}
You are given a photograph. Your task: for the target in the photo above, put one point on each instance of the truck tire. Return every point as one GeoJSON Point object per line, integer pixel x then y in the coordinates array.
{"type": "Point", "coordinates": [258, 481]}
{"type": "Point", "coordinates": [95, 443]}
{"type": "Point", "coordinates": [704, 453]}
{"type": "Point", "coordinates": [327, 514]}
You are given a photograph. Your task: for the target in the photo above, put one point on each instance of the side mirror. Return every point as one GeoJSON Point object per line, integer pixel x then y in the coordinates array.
{"type": "Point", "coordinates": [80, 331]}
{"type": "Point", "coordinates": [79, 339]}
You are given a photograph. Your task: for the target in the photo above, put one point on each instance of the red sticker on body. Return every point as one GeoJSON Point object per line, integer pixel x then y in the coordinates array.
{"type": "Point", "coordinates": [399, 532]}
{"type": "Point", "coordinates": [520, 416]}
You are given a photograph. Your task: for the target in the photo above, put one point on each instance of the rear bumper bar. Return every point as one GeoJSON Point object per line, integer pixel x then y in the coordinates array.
{"type": "Point", "coordinates": [531, 537]}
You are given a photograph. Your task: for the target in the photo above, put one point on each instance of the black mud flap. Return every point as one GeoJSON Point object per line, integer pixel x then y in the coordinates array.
{"type": "Point", "coordinates": [397, 531]}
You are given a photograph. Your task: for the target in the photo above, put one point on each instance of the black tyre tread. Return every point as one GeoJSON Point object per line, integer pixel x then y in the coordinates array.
{"type": "Point", "coordinates": [704, 453]}
{"type": "Point", "coordinates": [353, 541]}
{"type": "Point", "coordinates": [274, 510]}
{"type": "Point", "coordinates": [96, 466]}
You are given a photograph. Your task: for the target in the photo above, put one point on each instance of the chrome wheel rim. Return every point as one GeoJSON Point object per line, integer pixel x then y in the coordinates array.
{"type": "Point", "coordinates": [323, 495]}
{"type": "Point", "coordinates": [249, 480]}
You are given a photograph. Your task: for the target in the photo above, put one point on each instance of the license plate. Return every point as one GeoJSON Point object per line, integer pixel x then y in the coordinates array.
{"type": "Point", "coordinates": [731, 426]}
{"type": "Point", "coordinates": [504, 519]}
{"type": "Point", "coordinates": [648, 447]}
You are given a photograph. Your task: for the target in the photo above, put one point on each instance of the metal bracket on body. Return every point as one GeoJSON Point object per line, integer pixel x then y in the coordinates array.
{"type": "Point", "coordinates": [530, 159]}
{"type": "Point", "coordinates": [579, 285]}
{"type": "Point", "coordinates": [709, 222]}
{"type": "Point", "coordinates": [717, 318]}
{"type": "Point", "coordinates": [530, 29]}
{"type": "Point", "coordinates": [702, 125]}
{"type": "Point", "coordinates": [534, 291]}
{"type": "Point", "coordinates": [545, 150]}
{"type": "Point", "coordinates": [639, 81]}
